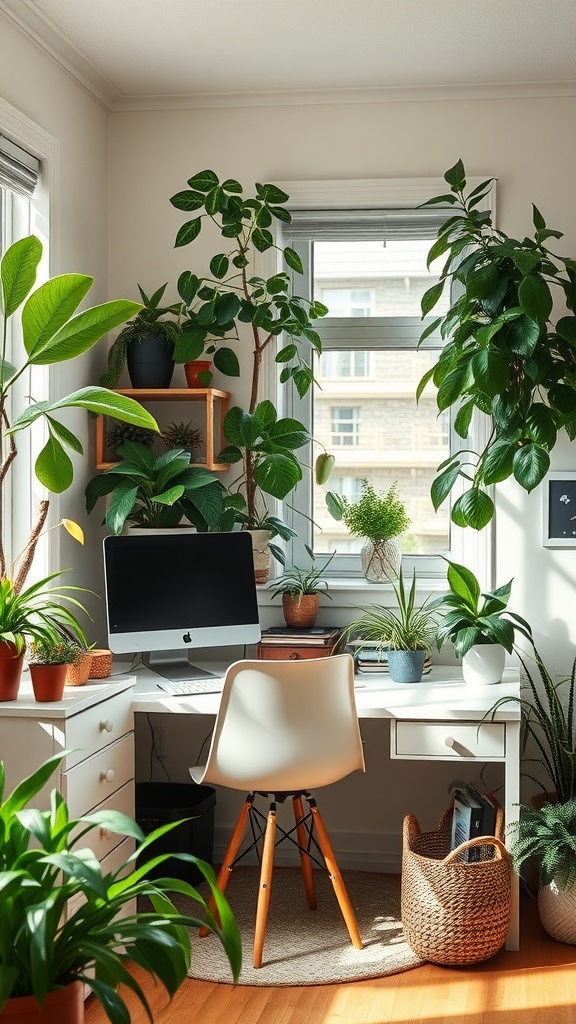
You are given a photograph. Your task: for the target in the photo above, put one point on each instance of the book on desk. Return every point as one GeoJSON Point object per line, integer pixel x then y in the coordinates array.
{"type": "Point", "coordinates": [285, 643]}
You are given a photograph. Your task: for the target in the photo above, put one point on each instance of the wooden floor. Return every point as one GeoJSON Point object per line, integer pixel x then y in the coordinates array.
{"type": "Point", "coordinates": [536, 985]}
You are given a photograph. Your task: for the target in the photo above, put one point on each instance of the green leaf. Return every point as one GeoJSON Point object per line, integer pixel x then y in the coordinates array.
{"type": "Point", "coordinates": [463, 418]}
{"type": "Point", "coordinates": [277, 474]}
{"type": "Point", "coordinates": [537, 218]}
{"type": "Point", "coordinates": [219, 265]}
{"type": "Point", "coordinates": [566, 328]}
{"type": "Point", "coordinates": [18, 271]}
{"type": "Point", "coordinates": [563, 398]}
{"type": "Point", "coordinates": [7, 370]}
{"type": "Point", "coordinates": [456, 176]}
{"type": "Point", "coordinates": [535, 298]}
{"type": "Point", "coordinates": [262, 240]}
{"type": "Point", "coordinates": [241, 428]}
{"type": "Point", "coordinates": [531, 463]}
{"type": "Point", "coordinates": [190, 345]}
{"type": "Point", "coordinates": [443, 484]}
{"type": "Point", "coordinates": [54, 467]}
{"type": "Point", "coordinates": [231, 453]}
{"type": "Point", "coordinates": [281, 214]}
{"type": "Point", "coordinates": [288, 433]}
{"type": "Point", "coordinates": [265, 414]}
{"type": "Point", "coordinates": [204, 181]}
{"type": "Point", "coordinates": [231, 185]}
{"type": "Point", "coordinates": [188, 285]}
{"type": "Point", "coordinates": [526, 260]}
{"type": "Point", "coordinates": [83, 331]}
{"type": "Point", "coordinates": [540, 426]}
{"type": "Point", "coordinates": [121, 503]}
{"type": "Point", "coordinates": [497, 464]}
{"type": "Point", "coordinates": [453, 385]}
{"type": "Point", "coordinates": [476, 507]}
{"type": "Point", "coordinates": [463, 583]}
{"type": "Point", "coordinates": [522, 336]}
{"type": "Point", "coordinates": [272, 194]}
{"type": "Point", "coordinates": [170, 496]}
{"type": "Point", "coordinates": [424, 381]}
{"type": "Point", "coordinates": [430, 298]}
{"type": "Point", "coordinates": [187, 201]}
{"type": "Point", "coordinates": [430, 330]}
{"type": "Point", "coordinates": [482, 281]}
{"type": "Point", "coordinates": [107, 403]}
{"type": "Point", "coordinates": [286, 354]}
{"type": "Point", "coordinates": [213, 201]}
{"type": "Point", "coordinates": [188, 232]}
{"type": "Point", "coordinates": [50, 307]}
{"type": "Point", "coordinates": [491, 371]}
{"type": "Point", "coordinates": [227, 306]}
{"type": "Point", "coordinates": [293, 260]}
{"type": "Point", "coordinates": [226, 360]}
{"type": "Point", "coordinates": [65, 435]}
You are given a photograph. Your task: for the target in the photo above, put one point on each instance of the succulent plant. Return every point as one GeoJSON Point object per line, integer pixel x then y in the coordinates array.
{"type": "Point", "coordinates": [182, 435]}
{"type": "Point", "coordinates": [121, 432]}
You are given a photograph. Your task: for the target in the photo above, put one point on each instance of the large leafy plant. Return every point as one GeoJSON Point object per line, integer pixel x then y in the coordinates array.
{"type": "Point", "coordinates": [52, 332]}
{"type": "Point", "coordinates": [156, 491]}
{"type": "Point", "coordinates": [471, 617]}
{"type": "Point", "coordinates": [232, 301]}
{"type": "Point", "coordinates": [44, 863]}
{"type": "Point", "coordinates": [504, 356]}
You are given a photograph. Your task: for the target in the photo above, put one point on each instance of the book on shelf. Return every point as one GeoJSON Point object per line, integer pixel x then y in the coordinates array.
{"type": "Point", "coordinates": [473, 815]}
{"type": "Point", "coordinates": [375, 659]}
{"type": "Point", "coordinates": [317, 636]}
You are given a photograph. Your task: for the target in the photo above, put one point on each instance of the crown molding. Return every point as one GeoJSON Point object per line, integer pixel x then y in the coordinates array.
{"type": "Point", "coordinates": [391, 94]}
{"type": "Point", "coordinates": [26, 16]}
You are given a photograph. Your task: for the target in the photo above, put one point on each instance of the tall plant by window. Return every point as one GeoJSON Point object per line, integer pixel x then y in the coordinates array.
{"type": "Point", "coordinates": [504, 356]}
{"type": "Point", "coordinates": [232, 300]}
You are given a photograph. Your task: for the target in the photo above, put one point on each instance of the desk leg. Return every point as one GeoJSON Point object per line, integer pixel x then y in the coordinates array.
{"type": "Point", "coordinates": [511, 813]}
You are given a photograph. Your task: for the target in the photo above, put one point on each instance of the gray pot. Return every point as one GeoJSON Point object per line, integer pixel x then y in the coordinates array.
{"type": "Point", "coordinates": [406, 666]}
{"type": "Point", "coordinates": [150, 362]}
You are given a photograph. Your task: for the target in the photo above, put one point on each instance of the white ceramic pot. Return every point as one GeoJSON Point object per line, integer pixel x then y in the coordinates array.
{"type": "Point", "coordinates": [483, 664]}
{"type": "Point", "coordinates": [381, 560]}
{"type": "Point", "coordinates": [557, 909]}
{"type": "Point", "coordinates": [261, 550]}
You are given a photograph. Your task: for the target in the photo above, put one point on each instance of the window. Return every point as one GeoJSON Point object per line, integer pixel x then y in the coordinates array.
{"type": "Point", "coordinates": [364, 246]}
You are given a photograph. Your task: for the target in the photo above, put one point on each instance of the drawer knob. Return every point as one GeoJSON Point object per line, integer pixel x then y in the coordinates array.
{"type": "Point", "coordinates": [107, 726]}
{"type": "Point", "coordinates": [450, 741]}
{"type": "Point", "coordinates": [294, 656]}
{"type": "Point", "coordinates": [106, 833]}
{"type": "Point", "coordinates": [107, 776]}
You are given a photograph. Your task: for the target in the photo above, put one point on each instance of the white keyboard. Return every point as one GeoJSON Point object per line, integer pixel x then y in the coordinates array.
{"type": "Point", "coordinates": [189, 687]}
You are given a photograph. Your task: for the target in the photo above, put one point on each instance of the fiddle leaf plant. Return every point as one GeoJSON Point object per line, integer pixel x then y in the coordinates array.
{"type": "Point", "coordinates": [504, 356]}
{"type": "Point", "coordinates": [52, 332]}
{"type": "Point", "coordinates": [232, 301]}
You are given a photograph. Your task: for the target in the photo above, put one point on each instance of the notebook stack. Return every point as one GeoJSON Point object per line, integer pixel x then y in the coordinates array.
{"type": "Point", "coordinates": [375, 659]}
{"type": "Point", "coordinates": [282, 642]}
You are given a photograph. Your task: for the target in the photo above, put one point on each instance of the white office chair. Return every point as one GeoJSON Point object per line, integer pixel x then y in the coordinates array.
{"type": "Point", "coordinates": [283, 728]}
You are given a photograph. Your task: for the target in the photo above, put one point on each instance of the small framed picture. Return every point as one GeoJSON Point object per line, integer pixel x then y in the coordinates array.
{"type": "Point", "coordinates": [560, 510]}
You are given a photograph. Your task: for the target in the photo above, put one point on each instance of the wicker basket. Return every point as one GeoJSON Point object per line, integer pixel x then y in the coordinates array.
{"type": "Point", "coordinates": [454, 912]}
{"type": "Point", "coordinates": [100, 664]}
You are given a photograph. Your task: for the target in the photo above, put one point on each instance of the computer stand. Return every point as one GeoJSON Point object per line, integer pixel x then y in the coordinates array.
{"type": "Point", "coordinates": [174, 665]}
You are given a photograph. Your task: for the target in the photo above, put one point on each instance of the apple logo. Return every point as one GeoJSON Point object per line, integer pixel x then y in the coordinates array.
{"type": "Point", "coordinates": [187, 638]}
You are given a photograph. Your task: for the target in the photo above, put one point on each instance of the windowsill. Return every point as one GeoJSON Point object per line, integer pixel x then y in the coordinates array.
{"type": "Point", "coordinates": [356, 590]}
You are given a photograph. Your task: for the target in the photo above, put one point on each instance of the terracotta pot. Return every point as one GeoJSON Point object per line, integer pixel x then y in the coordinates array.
{"type": "Point", "coordinates": [48, 682]}
{"type": "Point", "coordinates": [66, 1006]}
{"type": "Point", "coordinates": [193, 369]}
{"type": "Point", "coordinates": [300, 610]}
{"type": "Point", "coordinates": [100, 664]}
{"type": "Point", "coordinates": [77, 675]}
{"type": "Point", "coordinates": [10, 670]}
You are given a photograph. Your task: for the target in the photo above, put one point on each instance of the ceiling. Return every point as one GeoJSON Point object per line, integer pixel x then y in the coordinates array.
{"type": "Point", "coordinates": [184, 48]}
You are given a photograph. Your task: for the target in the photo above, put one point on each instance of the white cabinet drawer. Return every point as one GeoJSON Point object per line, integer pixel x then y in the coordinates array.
{"type": "Point", "coordinates": [97, 778]}
{"type": "Point", "coordinates": [111, 863]}
{"type": "Point", "coordinates": [100, 840]}
{"type": "Point", "coordinates": [97, 726]}
{"type": "Point", "coordinates": [447, 741]}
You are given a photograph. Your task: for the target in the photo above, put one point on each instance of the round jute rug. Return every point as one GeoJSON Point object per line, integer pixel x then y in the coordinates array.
{"type": "Point", "coordinates": [304, 947]}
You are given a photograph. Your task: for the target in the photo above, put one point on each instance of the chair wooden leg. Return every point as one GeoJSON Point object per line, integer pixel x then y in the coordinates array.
{"type": "Point", "coordinates": [265, 886]}
{"type": "Point", "coordinates": [336, 878]}
{"type": "Point", "coordinates": [230, 855]}
{"type": "Point", "coordinates": [305, 862]}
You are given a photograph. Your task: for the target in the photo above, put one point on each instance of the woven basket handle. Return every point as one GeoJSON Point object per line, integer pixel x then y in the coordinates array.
{"type": "Point", "coordinates": [501, 850]}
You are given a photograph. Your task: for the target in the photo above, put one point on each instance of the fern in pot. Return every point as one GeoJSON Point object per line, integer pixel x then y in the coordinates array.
{"type": "Point", "coordinates": [379, 517]}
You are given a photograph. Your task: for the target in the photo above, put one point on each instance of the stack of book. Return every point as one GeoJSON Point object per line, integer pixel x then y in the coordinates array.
{"type": "Point", "coordinates": [374, 658]}
{"type": "Point", "coordinates": [284, 642]}
{"type": "Point", "coordinates": [473, 814]}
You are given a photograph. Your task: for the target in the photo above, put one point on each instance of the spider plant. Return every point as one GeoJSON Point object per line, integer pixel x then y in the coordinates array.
{"type": "Point", "coordinates": [298, 582]}
{"type": "Point", "coordinates": [410, 628]}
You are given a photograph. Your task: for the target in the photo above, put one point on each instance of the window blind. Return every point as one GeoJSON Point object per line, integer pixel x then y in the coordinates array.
{"type": "Point", "coordinates": [19, 170]}
{"type": "Point", "coordinates": [365, 225]}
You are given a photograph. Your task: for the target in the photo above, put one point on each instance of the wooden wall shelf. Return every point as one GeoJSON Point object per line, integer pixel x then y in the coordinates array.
{"type": "Point", "coordinates": [216, 406]}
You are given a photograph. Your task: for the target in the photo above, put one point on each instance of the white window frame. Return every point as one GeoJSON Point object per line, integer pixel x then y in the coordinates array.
{"type": "Point", "coordinates": [474, 548]}
{"type": "Point", "coordinates": [329, 372]}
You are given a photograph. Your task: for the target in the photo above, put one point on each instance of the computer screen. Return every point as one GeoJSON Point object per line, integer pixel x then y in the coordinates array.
{"type": "Point", "coordinates": [179, 592]}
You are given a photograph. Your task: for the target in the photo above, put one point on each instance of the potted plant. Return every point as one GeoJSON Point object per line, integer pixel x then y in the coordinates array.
{"type": "Point", "coordinates": [300, 589]}
{"type": "Point", "coordinates": [182, 435]}
{"type": "Point", "coordinates": [119, 433]}
{"type": "Point", "coordinates": [155, 492]}
{"type": "Point", "coordinates": [547, 835]}
{"type": "Point", "coordinates": [232, 301]}
{"type": "Point", "coordinates": [504, 356]}
{"type": "Point", "coordinates": [379, 517]}
{"type": "Point", "coordinates": [479, 626]}
{"type": "Point", "coordinates": [407, 634]}
{"type": "Point", "coordinates": [50, 659]}
{"type": "Point", "coordinates": [49, 949]}
{"type": "Point", "coordinates": [36, 613]}
{"type": "Point", "coordinates": [145, 345]}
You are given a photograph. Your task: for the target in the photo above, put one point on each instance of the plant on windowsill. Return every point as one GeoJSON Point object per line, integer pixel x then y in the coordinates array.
{"type": "Point", "coordinates": [379, 517]}
{"type": "Point", "coordinates": [50, 949]}
{"type": "Point", "coordinates": [146, 345]}
{"type": "Point", "coordinates": [479, 626]}
{"type": "Point", "coordinates": [155, 492]}
{"type": "Point", "coordinates": [504, 357]}
{"type": "Point", "coordinates": [300, 589]}
{"type": "Point", "coordinates": [407, 635]}
{"type": "Point", "coordinates": [229, 303]}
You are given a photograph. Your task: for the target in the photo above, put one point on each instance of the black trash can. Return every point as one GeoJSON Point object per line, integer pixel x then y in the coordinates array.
{"type": "Point", "coordinates": [158, 803]}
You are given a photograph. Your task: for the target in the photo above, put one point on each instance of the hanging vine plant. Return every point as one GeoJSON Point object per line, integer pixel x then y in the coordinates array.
{"type": "Point", "coordinates": [504, 356]}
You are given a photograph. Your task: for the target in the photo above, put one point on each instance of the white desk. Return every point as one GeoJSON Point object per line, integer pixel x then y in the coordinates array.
{"type": "Point", "coordinates": [437, 719]}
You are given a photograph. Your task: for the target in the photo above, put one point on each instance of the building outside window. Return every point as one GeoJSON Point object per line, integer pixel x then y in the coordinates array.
{"type": "Point", "coordinates": [345, 426]}
{"type": "Point", "coordinates": [344, 364]}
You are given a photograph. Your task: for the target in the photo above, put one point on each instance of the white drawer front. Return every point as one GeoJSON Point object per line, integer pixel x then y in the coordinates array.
{"type": "Point", "coordinates": [96, 727]}
{"type": "Point", "coordinates": [97, 778]}
{"type": "Point", "coordinates": [110, 863]}
{"type": "Point", "coordinates": [464, 741]}
{"type": "Point", "coordinates": [101, 840]}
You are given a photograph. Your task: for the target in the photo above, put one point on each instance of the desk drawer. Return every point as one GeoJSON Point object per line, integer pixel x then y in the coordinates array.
{"type": "Point", "coordinates": [447, 741]}
{"type": "Point", "coordinates": [97, 778]}
{"type": "Point", "coordinates": [110, 863]}
{"type": "Point", "coordinates": [96, 727]}
{"type": "Point", "coordinates": [302, 653]}
{"type": "Point", "coordinates": [100, 840]}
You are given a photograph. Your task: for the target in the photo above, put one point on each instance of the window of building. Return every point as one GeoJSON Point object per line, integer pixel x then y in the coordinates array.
{"type": "Point", "coordinates": [351, 363]}
{"type": "Point", "coordinates": [345, 425]}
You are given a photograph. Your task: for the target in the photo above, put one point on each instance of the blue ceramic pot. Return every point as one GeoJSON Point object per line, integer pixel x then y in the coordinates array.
{"type": "Point", "coordinates": [406, 666]}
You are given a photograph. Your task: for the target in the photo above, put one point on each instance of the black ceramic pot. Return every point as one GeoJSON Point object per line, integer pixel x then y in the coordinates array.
{"type": "Point", "coordinates": [150, 362]}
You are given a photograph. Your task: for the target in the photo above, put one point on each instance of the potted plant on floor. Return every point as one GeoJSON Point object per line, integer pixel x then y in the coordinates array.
{"type": "Point", "coordinates": [50, 659]}
{"type": "Point", "coordinates": [50, 949]}
{"type": "Point", "coordinates": [300, 589]}
{"type": "Point", "coordinates": [231, 302]}
{"type": "Point", "coordinates": [146, 345]}
{"type": "Point", "coordinates": [407, 635]}
{"type": "Point", "coordinates": [155, 492]}
{"type": "Point", "coordinates": [505, 357]}
{"type": "Point", "coordinates": [479, 626]}
{"type": "Point", "coordinates": [379, 517]}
